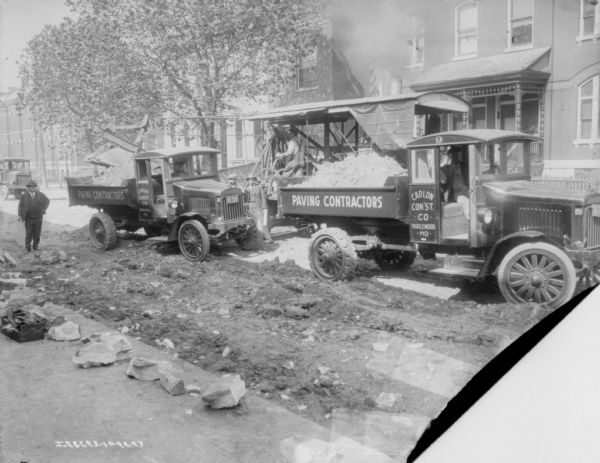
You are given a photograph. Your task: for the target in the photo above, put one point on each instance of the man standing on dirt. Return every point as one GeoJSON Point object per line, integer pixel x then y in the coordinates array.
{"type": "Point", "coordinates": [257, 198]}
{"type": "Point", "coordinates": [32, 207]}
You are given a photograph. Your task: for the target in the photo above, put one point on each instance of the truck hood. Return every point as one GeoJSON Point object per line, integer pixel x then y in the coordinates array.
{"type": "Point", "coordinates": [204, 185]}
{"type": "Point", "coordinates": [536, 191]}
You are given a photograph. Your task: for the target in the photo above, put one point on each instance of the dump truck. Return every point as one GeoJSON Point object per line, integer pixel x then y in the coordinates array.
{"type": "Point", "coordinates": [175, 194]}
{"type": "Point", "coordinates": [539, 241]}
{"type": "Point", "coordinates": [15, 174]}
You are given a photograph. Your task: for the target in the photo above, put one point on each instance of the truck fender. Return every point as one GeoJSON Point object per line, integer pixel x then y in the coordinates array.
{"type": "Point", "coordinates": [504, 244]}
{"type": "Point", "coordinates": [182, 218]}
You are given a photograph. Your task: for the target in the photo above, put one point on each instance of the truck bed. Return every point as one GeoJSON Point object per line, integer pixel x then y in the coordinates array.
{"type": "Point", "coordinates": [386, 202]}
{"type": "Point", "coordinates": [82, 192]}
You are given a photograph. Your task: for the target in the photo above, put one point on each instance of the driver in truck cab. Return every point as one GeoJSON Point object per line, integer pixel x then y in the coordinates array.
{"type": "Point", "coordinates": [453, 186]}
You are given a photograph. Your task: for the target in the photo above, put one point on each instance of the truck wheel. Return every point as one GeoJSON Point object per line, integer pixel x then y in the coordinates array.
{"type": "Point", "coordinates": [193, 240]}
{"type": "Point", "coordinates": [3, 192]}
{"type": "Point", "coordinates": [332, 255]}
{"type": "Point", "coordinates": [395, 260]}
{"type": "Point", "coordinates": [103, 232]}
{"type": "Point", "coordinates": [537, 272]}
{"type": "Point", "coordinates": [250, 241]}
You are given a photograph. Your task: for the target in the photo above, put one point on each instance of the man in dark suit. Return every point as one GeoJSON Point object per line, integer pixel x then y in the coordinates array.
{"type": "Point", "coordinates": [32, 207]}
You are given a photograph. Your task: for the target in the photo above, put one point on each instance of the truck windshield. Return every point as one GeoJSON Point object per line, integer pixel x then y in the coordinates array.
{"type": "Point", "coordinates": [503, 159]}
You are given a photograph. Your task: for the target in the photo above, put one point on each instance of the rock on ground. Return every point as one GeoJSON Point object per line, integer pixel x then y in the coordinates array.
{"type": "Point", "coordinates": [172, 383]}
{"type": "Point", "coordinates": [143, 369]}
{"type": "Point", "coordinates": [113, 340]}
{"type": "Point", "coordinates": [68, 331]}
{"type": "Point", "coordinates": [94, 355]}
{"type": "Point", "coordinates": [225, 392]}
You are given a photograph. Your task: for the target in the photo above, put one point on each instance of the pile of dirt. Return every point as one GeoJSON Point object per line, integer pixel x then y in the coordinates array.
{"type": "Point", "coordinates": [113, 176]}
{"type": "Point", "coordinates": [363, 170]}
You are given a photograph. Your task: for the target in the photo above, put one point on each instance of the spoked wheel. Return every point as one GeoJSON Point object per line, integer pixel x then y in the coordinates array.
{"type": "Point", "coordinates": [251, 240]}
{"type": "Point", "coordinates": [395, 260]}
{"type": "Point", "coordinates": [3, 193]}
{"type": "Point", "coordinates": [193, 240]}
{"type": "Point", "coordinates": [537, 272]}
{"type": "Point", "coordinates": [332, 255]}
{"type": "Point", "coordinates": [588, 275]}
{"type": "Point", "coordinates": [103, 232]}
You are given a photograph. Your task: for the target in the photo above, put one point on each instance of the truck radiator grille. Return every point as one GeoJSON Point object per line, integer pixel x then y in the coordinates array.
{"type": "Point", "coordinates": [234, 211]}
{"type": "Point", "coordinates": [22, 179]}
{"type": "Point", "coordinates": [201, 205]}
{"type": "Point", "coordinates": [591, 226]}
{"type": "Point", "coordinates": [549, 221]}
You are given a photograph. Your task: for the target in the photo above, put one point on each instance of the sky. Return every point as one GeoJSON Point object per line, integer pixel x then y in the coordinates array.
{"type": "Point", "coordinates": [19, 22]}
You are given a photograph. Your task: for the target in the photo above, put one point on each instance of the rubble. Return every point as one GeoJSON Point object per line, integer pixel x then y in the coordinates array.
{"type": "Point", "coordinates": [95, 355]}
{"type": "Point", "coordinates": [225, 392]}
{"type": "Point", "coordinates": [52, 256]}
{"type": "Point", "coordinates": [351, 172]}
{"type": "Point", "coordinates": [386, 399]}
{"type": "Point", "coordinates": [112, 339]}
{"type": "Point", "coordinates": [22, 297]}
{"type": "Point", "coordinates": [296, 312]}
{"type": "Point", "coordinates": [67, 331]}
{"type": "Point", "coordinates": [172, 383]}
{"type": "Point", "coordinates": [10, 259]}
{"type": "Point", "coordinates": [143, 369]}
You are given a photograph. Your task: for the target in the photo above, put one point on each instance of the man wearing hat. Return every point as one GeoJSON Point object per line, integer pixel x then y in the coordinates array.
{"type": "Point", "coordinates": [32, 207]}
{"type": "Point", "coordinates": [257, 198]}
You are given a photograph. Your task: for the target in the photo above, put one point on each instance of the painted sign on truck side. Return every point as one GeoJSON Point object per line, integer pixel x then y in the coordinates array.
{"type": "Point", "coordinates": [348, 202]}
{"type": "Point", "coordinates": [424, 213]}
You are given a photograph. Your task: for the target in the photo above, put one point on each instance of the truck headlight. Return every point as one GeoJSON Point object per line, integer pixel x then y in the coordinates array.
{"type": "Point", "coordinates": [485, 216]}
{"type": "Point", "coordinates": [173, 204]}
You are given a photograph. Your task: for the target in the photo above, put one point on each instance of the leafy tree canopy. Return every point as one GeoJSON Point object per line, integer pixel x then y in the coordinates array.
{"type": "Point", "coordinates": [121, 59]}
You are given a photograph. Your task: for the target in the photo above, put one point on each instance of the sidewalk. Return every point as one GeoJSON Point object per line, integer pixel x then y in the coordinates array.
{"type": "Point", "coordinates": [47, 403]}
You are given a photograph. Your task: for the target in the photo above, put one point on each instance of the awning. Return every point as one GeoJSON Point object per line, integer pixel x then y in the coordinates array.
{"type": "Point", "coordinates": [528, 66]}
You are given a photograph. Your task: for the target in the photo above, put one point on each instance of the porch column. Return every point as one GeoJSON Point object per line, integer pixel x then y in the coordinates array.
{"type": "Point", "coordinates": [518, 102]}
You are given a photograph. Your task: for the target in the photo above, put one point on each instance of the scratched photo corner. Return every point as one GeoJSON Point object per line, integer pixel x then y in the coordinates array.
{"type": "Point", "coordinates": [299, 230]}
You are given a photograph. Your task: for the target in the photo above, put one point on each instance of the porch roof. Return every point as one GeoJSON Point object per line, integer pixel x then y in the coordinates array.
{"type": "Point", "coordinates": [528, 66]}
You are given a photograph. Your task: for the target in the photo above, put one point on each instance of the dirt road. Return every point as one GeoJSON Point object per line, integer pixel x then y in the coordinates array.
{"type": "Point", "coordinates": [373, 361]}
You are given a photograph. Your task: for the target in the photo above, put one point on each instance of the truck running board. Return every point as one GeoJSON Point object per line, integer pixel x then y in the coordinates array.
{"type": "Point", "coordinates": [467, 266]}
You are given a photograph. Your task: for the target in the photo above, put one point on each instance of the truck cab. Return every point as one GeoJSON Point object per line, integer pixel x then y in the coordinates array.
{"type": "Point", "coordinates": [472, 198]}
{"type": "Point", "coordinates": [15, 173]}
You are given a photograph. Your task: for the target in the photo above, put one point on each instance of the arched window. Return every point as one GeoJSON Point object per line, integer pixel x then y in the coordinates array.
{"type": "Point", "coordinates": [465, 40]}
{"type": "Point", "coordinates": [588, 110]}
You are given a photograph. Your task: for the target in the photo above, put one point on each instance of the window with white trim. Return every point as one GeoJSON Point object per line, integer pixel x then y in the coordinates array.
{"type": "Point", "coordinates": [307, 71]}
{"type": "Point", "coordinates": [417, 42]}
{"type": "Point", "coordinates": [465, 40]}
{"type": "Point", "coordinates": [588, 110]}
{"type": "Point", "coordinates": [520, 24]}
{"type": "Point", "coordinates": [589, 26]}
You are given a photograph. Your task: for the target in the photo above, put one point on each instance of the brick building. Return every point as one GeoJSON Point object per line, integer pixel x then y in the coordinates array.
{"type": "Point", "coordinates": [529, 65]}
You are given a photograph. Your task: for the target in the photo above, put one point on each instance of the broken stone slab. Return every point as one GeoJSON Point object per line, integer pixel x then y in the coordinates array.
{"type": "Point", "coordinates": [67, 331]}
{"type": "Point", "coordinates": [10, 259]}
{"type": "Point", "coordinates": [95, 355]}
{"type": "Point", "coordinates": [386, 399]}
{"type": "Point", "coordinates": [225, 392]}
{"type": "Point", "coordinates": [295, 312]}
{"type": "Point", "coordinates": [171, 382]}
{"type": "Point", "coordinates": [113, 340]}
{"type": "Point", "coordinates": [143, 369]}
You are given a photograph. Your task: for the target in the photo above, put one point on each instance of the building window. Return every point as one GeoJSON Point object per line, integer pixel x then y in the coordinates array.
{"type": "Point", "coordinates": [465, 42]}
{"type": "Point", "coordinates": [520, 23]}
{"type": "Point", "coordinates": [588, 110]}
{"type": "Point", "coordinates": [590, 19]}
{"type": "Point", "coordinates": [307, 71]}
{"type": "Point", "coordinates": [417, 42]}
{"type": "Point", "coordinates": [479, 113]}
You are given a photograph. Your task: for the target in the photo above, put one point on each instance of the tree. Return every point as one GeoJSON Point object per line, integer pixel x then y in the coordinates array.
{"type": "Point", "coordinates": [207, 54]}
{"type": "Point", "coordinates": [80, 73]}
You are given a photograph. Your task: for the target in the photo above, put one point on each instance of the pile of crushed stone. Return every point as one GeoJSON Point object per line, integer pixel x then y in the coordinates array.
{"type": "Point", "coordinates": [112, 176]}
{"type": "Point", "coordinates": [367, 170]}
